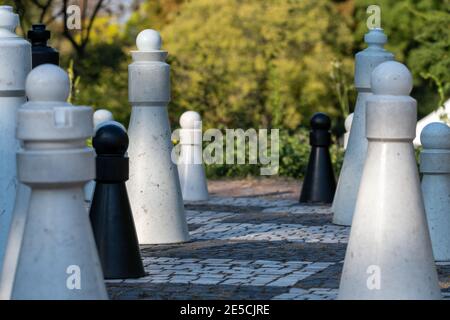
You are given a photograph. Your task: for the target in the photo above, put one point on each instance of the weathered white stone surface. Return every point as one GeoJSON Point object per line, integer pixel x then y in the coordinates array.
{"type": "Point", "coordinates": [355, 154]}
{"type": "Point", "coordinates": [58, 257]}
{"type": "Point", "coordinates": [442, 114]}
{"type": "Point", "coordinates": [348, 127]}
{"type": "Point", "coordinates": [14, 243]}
{"type": "Point", "coordinates": [190, 163]}
{"type": "Point", "coordinates": [435, 166]}
{"type": "Point", "coordinates": [154, 186]}
{"type": "Point", "coordinates": [389, 254]}
{"type": "Point", "coordinates": [15, 64]}
{"type": "Point", "coordinates": [102, 115]}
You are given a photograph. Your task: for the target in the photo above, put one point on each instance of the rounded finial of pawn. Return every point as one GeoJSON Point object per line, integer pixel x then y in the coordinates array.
{"type": "Point", "coordinates": [102, 115]}
{"type": "Point", "coordinates": [375, 36]}
{"type": "Point", "coordinates": [436, 135]}
{"type": "Point", "coordinates": [110, 140]}
{"type": "Point", "coordinates": [148, 40]}
{"type": "Point", "coordinates": [47, 82]}
{"type": "Point", "coordinates": [348, 122]}
{"type": "Point", "coordinates": [320, 121]}
{"type": "Point", "coordinates": [8, 19]}
{"type": "Point", "coordinates": [109, 122]}
{"type": "Point", "coordinates": [190, 120]}
{"type": "Point", "coordinates": [391, 78]}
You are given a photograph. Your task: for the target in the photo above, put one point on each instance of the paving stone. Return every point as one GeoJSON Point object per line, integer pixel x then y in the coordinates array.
{"type": "Point", "coordinates": [245, 248]}
{"type": "Point", "coordinates": [271, 232]}
{"type": "Point", "coordinates": [279, 218]}
{"type": "Point", "coordinates": [207, 281]}
{"type": "Point", "coordinates": [285, 281]}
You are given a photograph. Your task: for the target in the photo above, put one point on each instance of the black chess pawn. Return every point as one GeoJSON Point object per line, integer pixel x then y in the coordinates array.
{"type": "Point", "coordinates": [319, 184]}
{"type": "Point", "coordinates": [41, 52]}
{"type": "Point", "coordinates": [110, 213]}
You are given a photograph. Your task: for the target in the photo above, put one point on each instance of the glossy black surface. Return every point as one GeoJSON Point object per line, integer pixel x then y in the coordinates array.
{"type": "Point", "coordinates": [319, 185]}
{"type": "Point", "coordinates": [110, 213]}
{"type": "Point", "coordinates": [41, 52]}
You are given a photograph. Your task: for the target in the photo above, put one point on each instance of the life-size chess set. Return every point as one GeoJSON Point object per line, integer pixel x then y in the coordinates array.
{"type": "Point", "coordinates": [90, 223]}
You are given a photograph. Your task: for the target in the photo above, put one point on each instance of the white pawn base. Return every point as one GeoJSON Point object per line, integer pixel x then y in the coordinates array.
{"type": "Point", "coordinates": [56, 218]}
{"type": "Point", "coordinates": [154, 187]}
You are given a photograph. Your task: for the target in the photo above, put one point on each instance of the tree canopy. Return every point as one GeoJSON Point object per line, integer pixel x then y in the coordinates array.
{"type": "Point", "coordinates": [248, 63]}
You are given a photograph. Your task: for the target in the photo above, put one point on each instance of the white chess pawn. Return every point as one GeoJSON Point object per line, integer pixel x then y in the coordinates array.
{"type": "Point", "coordinates": [435, 166]}
{"type": "Point", "coordinates": [348, 127]}
{"type": "Point", "coordinates": [58, 257]}
{"type": "Point", "coordinates": [15, 64]}
{"type": "Point", "coordinates": [154, 186]}
{"type": "Point", "coordinates": [389, 253]}
{"type": "Point", "coordinates": [190, 164]}
{"type": "Point", "coordinates": [355, 154]}
{"type": "Point", "coordinates": [102, 115]}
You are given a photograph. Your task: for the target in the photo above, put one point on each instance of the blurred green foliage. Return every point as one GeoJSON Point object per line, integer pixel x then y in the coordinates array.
{"type": "Point", "coordinates": [267, 63]}
{"type": "Point", "coordinates": [249, 64]}
{"type": "Point", "coordinates": [294, 155]}
{"type": "Point", "coordinates": [256, 63]}
{"type": "Point", "coordinates": [295, 150]}
{"type": "Point", "coordinates": [419, 36]}
{"type": "Point", "coordinates": [260, 64]}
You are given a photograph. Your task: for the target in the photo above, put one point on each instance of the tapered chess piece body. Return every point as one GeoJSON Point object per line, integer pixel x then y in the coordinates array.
{"type": "Point", "coordinates": [190, 164]}
{"type": "Point", "coordinates": [355, 153]}
{"type": "Point", "coordinates": [348, 127]}
{"type": "Point", "coordinates": [58, 257]}
{"type": "Point", "coordinates": [389, 253]}
{"type": "Point", "coordinates": [319, 184]}
{"type": "Point", "coordinates": [41, 52]}
{"type": "Point", "coordinates": [154, 186]}
{"type": "Point", "coordinates": [110, 213]}
{"type": "Point", "coordinates": [435, 167]}
{"type": "Point", "coordinates": [15, 64]}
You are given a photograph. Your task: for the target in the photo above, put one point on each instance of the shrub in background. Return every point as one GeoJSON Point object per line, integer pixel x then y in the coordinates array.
{"type": "Point", "coordinates": [294, 156]}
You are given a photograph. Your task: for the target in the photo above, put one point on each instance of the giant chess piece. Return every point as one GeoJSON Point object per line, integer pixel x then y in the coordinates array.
{"type": "Point", "coordinates": [58, 257]}
{"type": "Point", "coordinates": [355, 153]}
{"type": "Point", "coordinates": [15, 64]}
{"type": "Point", "coordinates": [42, 53]}
{"type": "Point", "coordinates": [101, 116]}
{"type": "Point", "coordinates": [435, 166]}
{"type": "Point", "coordinates": [389, 253]}
{"type": "Point", "coordinates": [190, 164]}
{"type": "Point", "coordinates": [319, 184]}
{"type": "Point", "coordinates": [111, 217]}
{"type": "Point", "coordinates": [154, 186]}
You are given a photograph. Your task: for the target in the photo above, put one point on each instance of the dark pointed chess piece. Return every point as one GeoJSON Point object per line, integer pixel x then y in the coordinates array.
{"type": "Point", "coordinates": [41, 52]}
{"type": "Point", "coordinates": [319, 184]}
{"type": "Point", "coordinates": [110, 213]}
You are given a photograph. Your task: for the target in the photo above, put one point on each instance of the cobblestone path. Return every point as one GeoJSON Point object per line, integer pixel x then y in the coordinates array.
{"type": "Point", "coordinates": [248, 248]}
